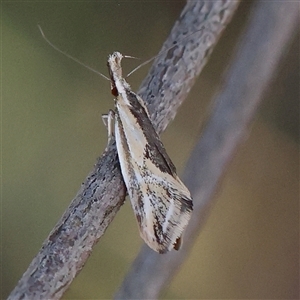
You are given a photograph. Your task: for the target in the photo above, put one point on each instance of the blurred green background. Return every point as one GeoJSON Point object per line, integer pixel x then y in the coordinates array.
{"type": "Point", "coordinates": [52, 134]}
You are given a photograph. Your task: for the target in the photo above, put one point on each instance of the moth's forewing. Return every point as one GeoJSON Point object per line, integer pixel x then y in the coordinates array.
{"type": "Point", "coordinates": [161, 202]}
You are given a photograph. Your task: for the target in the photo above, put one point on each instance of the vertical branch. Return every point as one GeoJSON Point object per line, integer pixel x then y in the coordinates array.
{"type": "Point", "coordinates": [261, 47]}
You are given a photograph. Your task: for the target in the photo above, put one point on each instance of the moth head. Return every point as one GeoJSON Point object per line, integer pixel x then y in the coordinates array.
{"type": "Point", "coordinates": [115, 73]}
{"type": "Point", "coordinates": [114, 64]}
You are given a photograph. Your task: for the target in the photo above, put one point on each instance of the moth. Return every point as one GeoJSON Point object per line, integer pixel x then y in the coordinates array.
{"type": "Point", "coordinates": [161, 202]}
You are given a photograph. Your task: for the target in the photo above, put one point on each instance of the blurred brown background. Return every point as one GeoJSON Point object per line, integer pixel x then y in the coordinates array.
{"type": "Point", "coordinates": [52, 133]}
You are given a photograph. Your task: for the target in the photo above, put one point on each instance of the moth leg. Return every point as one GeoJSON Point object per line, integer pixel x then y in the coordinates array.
{"type": "Point", "coordinates": [108, 122]}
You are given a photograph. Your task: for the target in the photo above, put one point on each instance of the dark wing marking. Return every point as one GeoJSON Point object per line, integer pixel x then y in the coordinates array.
{"type": "Point", "coordinates": [155, 150]}
{"type": "Point", "coordinates": [171, 208]}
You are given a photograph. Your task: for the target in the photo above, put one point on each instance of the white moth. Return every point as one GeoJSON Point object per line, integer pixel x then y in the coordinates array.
{"type": "Point", "coordinates": [161, 202]}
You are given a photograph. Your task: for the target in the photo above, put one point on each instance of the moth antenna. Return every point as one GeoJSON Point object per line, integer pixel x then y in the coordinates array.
{"type": "Point", "coordinates": [70, 56]}
{"type": "Point", "coordinates": [152, 58]}
{"type": "Point", "coordinates": [141, 65]}
{"type": "Point", "coordinates": [128, 56]}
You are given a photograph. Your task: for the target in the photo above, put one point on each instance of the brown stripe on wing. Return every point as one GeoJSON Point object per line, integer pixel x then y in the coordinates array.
{"type": "Point", "coordinates": [154, 150]}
